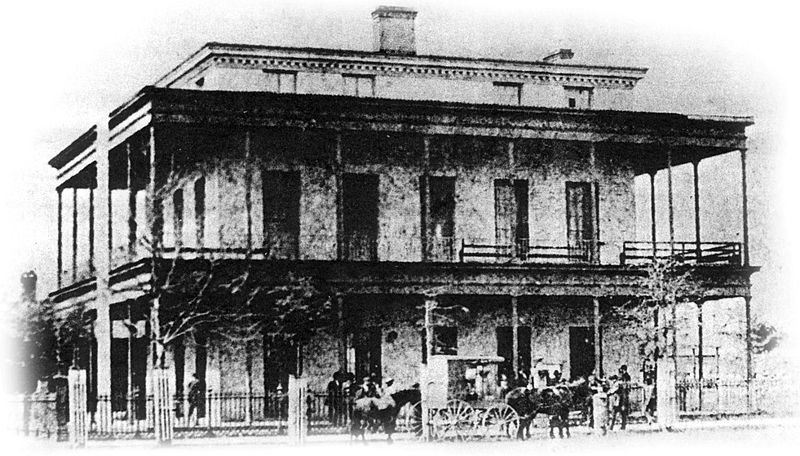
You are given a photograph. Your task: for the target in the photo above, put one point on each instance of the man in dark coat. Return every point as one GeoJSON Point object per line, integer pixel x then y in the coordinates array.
{"type": "Point", "coordinates": [335, 399]}
{"type": "Point", "coordinates": [195, 394]}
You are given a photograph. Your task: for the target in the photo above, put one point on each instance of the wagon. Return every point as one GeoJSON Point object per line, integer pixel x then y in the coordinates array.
{"type": "Point", "coordinates": [464, 401]}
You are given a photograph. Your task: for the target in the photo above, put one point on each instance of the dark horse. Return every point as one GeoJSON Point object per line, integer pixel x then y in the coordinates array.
{"type": "Point", "coordinates": [371, 413]}
{"type": "Point", "coordinates": [552, 401]}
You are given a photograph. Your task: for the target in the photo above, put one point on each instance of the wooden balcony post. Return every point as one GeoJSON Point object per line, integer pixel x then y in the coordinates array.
{"type": "Point", "coordinates": [670, 208]}
{"type": "Point", "coordinates": [653, 211]}
{"type": "Point", "coordinates": [341, 334]}
{"type": "Point", "coordinates": [74, 234]}
{"type": "Point", "coordinates": [745, 230]}
{"type": "Point", "coordinates": [515, 336]}
{"type": "Point", "coordinates": [598, 353]}
{"type": "Point", "coordinates": [698, 251]}
{"type": "Point", "coordinates": [749, 350]}
{"type": "Point", "coordinates": [340, 248]}
{"type": "Point", "coordinates": [131, 203]}
{"type": "Point", "coordinates": [91, 229]}
{"type": "Point", "coordinates": [60, 240]}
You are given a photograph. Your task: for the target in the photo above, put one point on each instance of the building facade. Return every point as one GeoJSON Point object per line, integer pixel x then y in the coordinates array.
{"type": "Point", "coordinates": [504, 188]}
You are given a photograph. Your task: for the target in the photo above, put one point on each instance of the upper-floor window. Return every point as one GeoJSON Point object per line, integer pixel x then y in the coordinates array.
{"type": "Point", "coordinates": [360, 216]}
{"type": "Point", "coordinates": [437, 204]}
{"type": "Point", "coordinates": [578, 97]}
{"type": "Point", "coordinates": [511, 212]}
{"type": "Point", "coordinates": [281, 81]}
{"type": "Point", "coordinates": [281, 205]}
{"type": "Point", "coordinates": [200, 209]}
{"type": "Point", "coordinates": [507, 93]}
{"type": "Point", "coordinates": [177, 220]}
{"type": "Point", "coordinates": [359, 85]}
{"type": "Point", "coordinates": [582, 217]}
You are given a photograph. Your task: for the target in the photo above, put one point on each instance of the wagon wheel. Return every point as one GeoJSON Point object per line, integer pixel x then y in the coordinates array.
{"type": "Point", "coordinates": [410, 419]}
{"type": "Point", "coordinates": [500, 421]}
{"type": "Point", "coordinates": [456, 420]}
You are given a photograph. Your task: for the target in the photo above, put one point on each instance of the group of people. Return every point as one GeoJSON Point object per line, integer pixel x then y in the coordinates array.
{"type": "Point", "coordinates": [343, 389]}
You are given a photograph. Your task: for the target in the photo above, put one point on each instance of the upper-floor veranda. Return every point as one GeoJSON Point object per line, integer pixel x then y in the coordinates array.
{"type": "Point", "coordinates": [367, 179]}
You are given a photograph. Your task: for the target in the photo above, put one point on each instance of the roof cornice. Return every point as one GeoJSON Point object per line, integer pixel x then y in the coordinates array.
{"type": "Point", "coordinates": [320, 59]}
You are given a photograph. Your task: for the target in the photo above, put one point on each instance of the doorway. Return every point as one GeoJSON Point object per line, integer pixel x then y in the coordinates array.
{"type": "Point", "coordinates": [581, 351]}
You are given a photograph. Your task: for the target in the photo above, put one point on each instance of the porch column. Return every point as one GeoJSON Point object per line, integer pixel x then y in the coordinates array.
{"type": "Point", "coordinates": [749, 350]}
{"type": "Point", "coordinates": [698, 251]}
{"type": "Point", "coordinates": [653, 211]}
{"type": "Point", "coordinates": [102, 326]}
{"type": "Point", "coordinates": [515, 335]}
{"type": "Point", "coordinates": [131, 203]}
{"type": "Point", "coordinates": [74, 234]}
{"type": "Point", "coordinates": [430, 304]}
{"type": "Point", "coordinates": [60, 241]}
{"type": "Point", "coordinates": [745, 228]}
{"type": "Point", "coordinates": [425, 188]}
{"type": "Point", "coordinates": [598, 343]}
{"type": "Point", "coordinates": [700, 340]}
{"type": "Point", "coordinates": [339, 198]}
{"type": "Point", "coordinates": [91, 229]}
{"type": "Point", "coordinates": [248, 191]}
{"type": "Point", "coordinates": [671, 209]}
{"type": "Point", "coordinates": [341, 335]}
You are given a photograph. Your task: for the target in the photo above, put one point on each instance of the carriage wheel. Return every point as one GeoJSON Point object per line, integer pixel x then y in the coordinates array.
{"type": "Point", "coordinates": [456, 421]}
{"type": "Point", "coordinates": [500, 421]}
{"type": "Point", "coordinates": [410, 418]}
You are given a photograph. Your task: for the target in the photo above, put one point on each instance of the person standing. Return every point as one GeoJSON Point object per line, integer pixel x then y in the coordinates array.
{"type": "Point", "coordinates": [622, 400]}
{"type": "Point", "coordinates": [195, 396]}
{"type": "Point", "coordinates": [334, 401]}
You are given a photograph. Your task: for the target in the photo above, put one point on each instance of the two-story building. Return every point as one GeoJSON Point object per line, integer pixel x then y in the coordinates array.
{"type": "Point", "coordinates": [504, 187]}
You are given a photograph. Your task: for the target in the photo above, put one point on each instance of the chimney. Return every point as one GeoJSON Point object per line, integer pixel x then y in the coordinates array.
{"type": "Point", "coordinates": [393, 30]}
{"type": "Point", "coordinates": [28, 281]}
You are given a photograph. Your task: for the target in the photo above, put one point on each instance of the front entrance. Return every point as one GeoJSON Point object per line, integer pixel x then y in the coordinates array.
{"type": "Point", "coordinates": [367, 348]}
{"type": "Point", "coordinates": [581, 351]}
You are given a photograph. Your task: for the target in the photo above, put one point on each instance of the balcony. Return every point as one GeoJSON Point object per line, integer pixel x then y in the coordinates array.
{"type": "Point", "coordinates": [639, 253]}
{"type": "Point", "coordinates": [528, 251]}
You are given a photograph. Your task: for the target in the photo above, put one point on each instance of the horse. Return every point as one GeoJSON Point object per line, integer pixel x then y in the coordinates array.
{"type": "Point", "coordinates": [557, 402]}
{"type": "Point", "coordinates": [372, 413]}
{"type": "Point", "coordinates": [527, 403]}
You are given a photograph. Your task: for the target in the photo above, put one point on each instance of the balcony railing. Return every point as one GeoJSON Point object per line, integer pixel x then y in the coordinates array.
{"type": "Point", "coordinates": [711, 253]}
{"type": "Point", "coordinates": [525, 250]}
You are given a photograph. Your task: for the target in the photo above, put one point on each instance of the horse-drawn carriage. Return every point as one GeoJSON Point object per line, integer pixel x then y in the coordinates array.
{"type": "Point", "coordinates": [464, 401]}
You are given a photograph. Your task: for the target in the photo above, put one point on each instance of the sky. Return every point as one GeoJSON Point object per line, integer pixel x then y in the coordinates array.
{"type": "Point", "coordinates": [66, 64]}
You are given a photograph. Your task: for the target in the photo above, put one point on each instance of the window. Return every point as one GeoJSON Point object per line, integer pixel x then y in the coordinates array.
{"type": "Point", "coordinates": [508, 93]}
{"type": "Point", "coordinates": [438, 213]}
{"type": "Point", "coordinates": [356, 85]}
{"type": "Point", "coordinates": [281, 81]}
{"type": "Point", "coordinates": [578, 97]}
{"type": "Point", "coordinates": [177, 207]}
{"type": "Point", "coordinates": [445, 342]}
{"type": "Point", "coordinates": [581, 220]}
{"type": "Point", "coordinates": [511, 213]}
{"type": "Point", "coordinates": [505, 348]}
{"type": "Point", "coordinates": [281, 206]}
{"type": "Point", "coordinates": [200, 209]}
{"type": "Point", "coordinates": [360, 216]}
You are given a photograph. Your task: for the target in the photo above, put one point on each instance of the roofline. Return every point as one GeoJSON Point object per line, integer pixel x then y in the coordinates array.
{"type": "Point", "coordinates": [142, 97]}
{"type": "Point", "coordinates": [214, 47]}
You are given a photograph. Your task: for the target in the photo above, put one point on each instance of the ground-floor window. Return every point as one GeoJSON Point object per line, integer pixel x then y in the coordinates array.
{"type": "Point", "coordinates": [445, 342]}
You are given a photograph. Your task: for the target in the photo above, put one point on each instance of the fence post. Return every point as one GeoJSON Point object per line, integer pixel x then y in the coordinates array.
{"type": "Point", "coordinates": [162, 405]}
{"type": "Point", "coordinates": [298, 421]}
{"type": "Point", "coordinates": [78, 431]}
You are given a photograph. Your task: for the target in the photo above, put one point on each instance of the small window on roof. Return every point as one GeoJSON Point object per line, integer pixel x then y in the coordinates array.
{"type": "Point", "coordinates": [578, 97]}
{"type": "Point", "coordinates": [200, 82]}
{"type": "Point", "coordinates": [280, 81]}
{"type": "Point", "coordinates": [358, 85]}
{"type": "Point", "coordinates": [507, 93]}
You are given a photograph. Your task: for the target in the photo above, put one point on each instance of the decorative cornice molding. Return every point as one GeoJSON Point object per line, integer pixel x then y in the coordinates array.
{"type": "Point", "coordinates": [326, 60]}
